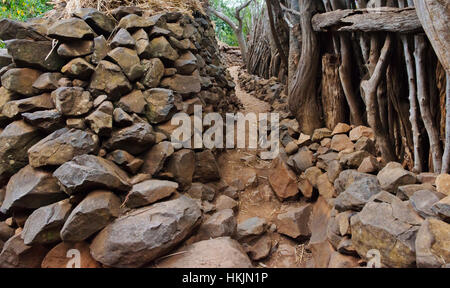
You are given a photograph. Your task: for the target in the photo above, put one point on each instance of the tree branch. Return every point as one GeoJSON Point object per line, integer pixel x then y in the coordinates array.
{"type": "Point", "coordinates": [224, 17]}
{"type": "Point", "coordinates": [275, 34]}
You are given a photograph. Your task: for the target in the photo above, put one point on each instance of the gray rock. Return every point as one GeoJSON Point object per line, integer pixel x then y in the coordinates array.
{"type": "Point", "coordinates": [134, 139]}
{"type": "Point", "coordinates": [161, 48]}
{"type": "Point", "coordinates": [442, 209]}
{"type": "Point", "coordinates": [251, 227]}
{"type": "Point", "coordinates": [160, 105]}
{"type": "Point", "coordinates": [181, 167]}
{"type": "Point", "coordinates": [97, 210]}
{"type": "Point", "coordinates": [16, 254]}
{"type": "Point", "coordinates": [72, 101]}
{"type": "Point", "coordinates": [108, 79]}
{"type": "Point", "coordinates": [186, 63]}
{"type": "Point", "coordinates": [70, 29]}
{"type": "Point", "coordinates": [422, 201]}
{"type": "Point", "coordinates": [61, 146]}
{"type": "Point", "coordinates": [143, 235]}
{"type": "Point", "coordinates": [154, 71]}
{"type": "Point", "coordinates": [34, 54]}
{"type": "Point", "coordinates": [129, 61]}
{"type": "Point", "coordinates": [44, 224]}
{"type": "Point", "coordinates": [31, 189]}
{"type": "Point", "coordinates": [357, 194]}
{"type": "Point", "coordinates": [220, 224]}
{"type": "Point", "coordinates": [155, 158]}
{"type": "Point", "coordinates": [12, 109]}
{"type": "Point", "coordinates": [206, 168]}
{"type": "Point", "coordinates": [432, 244]}
{"type": "Point", "coordinates": [393, 175]}
{"type": "Point", "coordinates": [88, 172]}
{"type": "Point", "coordinates": [149, 192]}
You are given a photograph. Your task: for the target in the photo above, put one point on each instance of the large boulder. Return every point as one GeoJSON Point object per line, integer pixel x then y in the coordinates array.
{"type": "Point", "coordinates": [88, 172]}
{"type": "Point", "coordinates": [16, 254]}
{"type": "Point", "coordinates": [15, 140]}
{"type": "Point", "coordinates": [433, 244]}
{"type": "Point", "coordinates": [61, 146]}
{"type": "Point", "coordinates": [35, 54]}
{"type": "Point", "coordinates": [143, 235]}
{"type": "Point", "coordinates": [149, 192]}
{"type": "Point", "coordinates": [204, 254]}
{"type": "Point", "coordinates": [394, 175]}
{"type": "Point", "coordinates": [30, 189]}
{"type": "Point", "coordinates": [44, 224]}
{"type": "Point", "coordinates": [96, 211]}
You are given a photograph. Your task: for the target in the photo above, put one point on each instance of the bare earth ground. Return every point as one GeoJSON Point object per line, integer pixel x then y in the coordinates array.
{"type": "Point", "coordinates": [259, 199]}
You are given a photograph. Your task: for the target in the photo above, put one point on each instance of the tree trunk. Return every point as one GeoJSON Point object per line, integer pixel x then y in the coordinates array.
{"type": "Point", "coordinates": [303, 101]}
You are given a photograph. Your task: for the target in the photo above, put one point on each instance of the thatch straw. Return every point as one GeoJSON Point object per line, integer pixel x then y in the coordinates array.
{"type": "Point", "coordinates": [149, 6]}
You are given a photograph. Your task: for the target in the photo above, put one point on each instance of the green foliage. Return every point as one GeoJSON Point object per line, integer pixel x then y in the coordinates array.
{"type": "Point", "coordinates": [223, 30]}
{"type": "Point", "coordinates": [23, 9]}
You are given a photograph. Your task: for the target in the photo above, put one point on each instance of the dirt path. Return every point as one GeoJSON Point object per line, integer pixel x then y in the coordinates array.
{"type": "Point", "coordinates": [239, 167]}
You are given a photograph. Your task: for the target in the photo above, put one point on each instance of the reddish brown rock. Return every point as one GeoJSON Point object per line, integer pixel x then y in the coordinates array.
{"type": "Point", "coordinates": [63, 256]}
{"type": "Point", "coordinates": [283, 180]}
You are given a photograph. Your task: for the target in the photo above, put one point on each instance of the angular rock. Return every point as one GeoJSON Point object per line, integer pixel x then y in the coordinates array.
{"type": "Point", "coordinates": [133, 102]}
{"type": "Point", "coordinates": [91, 215]}
{"type": "Point", "coordinates": [182, 84]}
{"type": "Point", "coordinates": [129, 61]}
{"type": "Point", "coordinates": [303, 160]}
{"type": "Point", "coordinates": [108, 79]}
{"type": "Point", "coordinates": [101, 120]}
{"type": "Point", "coordinates": [361, 131]}
{"type": "Point", "coordinates": [12, 109]}
{"type": "Point", "coordinates": [134, 22]}
{"type": "Point", "coordinates": [15, 140]}
{"type": "Point", "coordinates": [325, 187]}
{"type": "Point", "coordinates": [78, 68]}
{"type": "Point", "coordinates": [181, 166]}
{"type": "Point", "coordinates": [134, 139]}
{"type": "Point", "coordinates": [220, 224]}
{"type": "Point", "coordinates": [443, 184]}
{"type": "Point", "coordinates": [88, 172]}
{"type": "Point", "coordinates": [353, 160]}
{"type": "Point", "coordinates": [442, 209]}
{"type": "Point", "coordinates": [145, 234]}
{"type": "Point", "coordinates": [61, 146]}
{"type": "Point", "coordinates": [126, 161]}
{"type": "Point", "coordinates": [99, 22]}
{"type": "Point", "coordinates": [251, 227]}
{"type": "Point", "coordinates": [72, 101]}
{"type": "Point", "coordinates": [294, 221]}
{"type": "Point", "coordinates": [341, 142]}
{"type": "Point", "coordinates": [370, 164]}
{"type": "Point", "coordinates": [16, 254]}
{"type": "Point", "coordinates": [155, 158]}
{"type": "Point", "coordinates": [149, 192]}
{"type": "Point", "coordinates": [160, 105]}
{"type": "Point", "coordinates": [11, 29]}
{"type": "Point", "coordinates": [357, 194]}
{"type": "Point", "coordinates": [347, 177]}
{"type": "Point", "coordinates": [101, 49]}
{"type": "Point", "coordinates": [47, 82]}
{"type": "Point", "coordinates": [154, 71]}
{"type": "Point", "coordinates": [283, 180]}
{"type": "Point", "coordinates": [341, 128]}
{"type": "Point", "coordinates": [225, 202]}
{"type": "Point", "coordinates": [321, 133]}
{"type": "Point", "coordinates": [123, 11]}
{"type": "Point", "coordinates": [142, 44]}
{"type": "Point", "coordinates": [20, 80]}
{"type": "Point", "coordinates": [60, 256]}
{"type": "Point", "coordinates": [206, 168]}
{"type": "Point", "coordinates": [366, 144]}
{"type": "Point", "coordinates": [70, 29]}
{"type": "Point", "coordinates": [422, 201]}
{"type": "Point", "coordinates": [44, 224]}
{"type": "Point", "coordinates": [186, 64]}
{"type": "Point", "coordinates": [121, 118]}
{"type": "Point", "coordinates": [31, 189]}
{"type": "Point", "coordinates": [161, 48]}
{"type": "Point", "coordinates": [201, 191]}
{"type": "Point", "coordinates": [432, 244]}
{"type": "Point", "coordinates": [204, 254]}
{"type": "Point", "coordinates": [376, 227]}
{"type": "Point", "coordinates": [260, 249]}
{"type": "Point", "coordinates": [34, 54]}
{"type": "Point", "coordinates": [393, 175]}
{"type": "Point", "coordinates": [76, 49]}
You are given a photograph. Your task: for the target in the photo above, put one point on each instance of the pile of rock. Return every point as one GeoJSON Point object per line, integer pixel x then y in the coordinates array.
{"type": "Point", "coordinates": [363, 208]}
{"type": "Point", "coordinates": [86, 104]}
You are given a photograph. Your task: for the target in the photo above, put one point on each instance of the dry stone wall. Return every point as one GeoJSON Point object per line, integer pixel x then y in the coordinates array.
{"type": "Point", "coordinates": [86, 104]}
